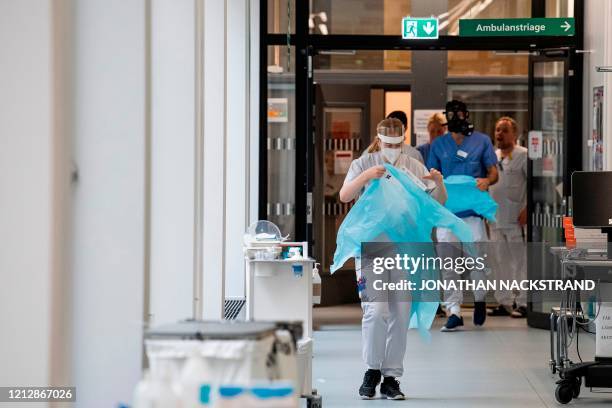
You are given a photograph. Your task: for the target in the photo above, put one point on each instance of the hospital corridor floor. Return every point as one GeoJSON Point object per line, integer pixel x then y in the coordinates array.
{"type": "Point", "coordinates": [503, 364]}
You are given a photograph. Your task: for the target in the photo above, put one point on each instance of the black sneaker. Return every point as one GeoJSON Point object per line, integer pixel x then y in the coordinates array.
{"type": "Point", "coordinates": [452, 323]}
{"type": "Point", "coordinates": [519, 312]}
{"type": "Point", "coordinates": [370, 381]}
{"type": "Point", "coordinates": [480, 313]}
{"type": "Point", "coordinates": [440, 312]}
{"type": "Point", "coordinates": [500, 310]}
{"type": "Point", "coordinates": [390, 389]}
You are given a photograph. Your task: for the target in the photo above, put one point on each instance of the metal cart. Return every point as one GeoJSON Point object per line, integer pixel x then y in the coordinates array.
{"type": "Point", "coordinates": [564, 325]}
{"type": "Point", "coordinates": [281, 289]}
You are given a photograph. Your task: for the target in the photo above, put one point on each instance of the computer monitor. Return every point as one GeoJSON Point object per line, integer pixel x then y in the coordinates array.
{"type": "Point", "coordinates": [592, 200]}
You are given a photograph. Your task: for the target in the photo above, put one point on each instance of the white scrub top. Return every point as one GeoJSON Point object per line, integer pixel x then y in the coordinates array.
{"type": "Point", "coordinates": [412, 152]}
{"type": "Point", "coordinates": [510, 191]}
{"type": "Point", "coordinates": [404, 162]}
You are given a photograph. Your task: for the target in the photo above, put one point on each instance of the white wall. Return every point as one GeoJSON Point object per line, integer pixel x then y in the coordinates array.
{"type": "Point", "coordinates": [172, 161]}
{"type": "Point", "coordinates": [74, 255]}
{"type": "Point", "coordinates": [228, 153]}
{"type": "Point", "coordinates": [63, 106]}
{"type": "Point", "coordinates": [253, 111]}
{"type": "Point", "coordinates": [598, 43]}
{"type": "Point", "coordinates": [214, 155]}
{"type": "Point", "coordinates": [238, 144]}
{"type": "Point", "coordinates": [25, 188]}
{"type": "Point", "coordinates": [107, 250]}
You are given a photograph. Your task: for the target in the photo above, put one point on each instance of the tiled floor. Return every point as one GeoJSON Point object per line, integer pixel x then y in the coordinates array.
{"type": "Point", "coordinates": [503, 364]}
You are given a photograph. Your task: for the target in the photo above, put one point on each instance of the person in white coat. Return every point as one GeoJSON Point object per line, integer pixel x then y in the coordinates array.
{"type": "Point", "coordinates": [507, 234]}
{"type": "Point", "coordinates": [385, 322]}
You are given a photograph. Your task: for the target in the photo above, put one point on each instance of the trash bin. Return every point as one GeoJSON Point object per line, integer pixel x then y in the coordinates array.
{"type": "Point", "coordinates": [228, 363]}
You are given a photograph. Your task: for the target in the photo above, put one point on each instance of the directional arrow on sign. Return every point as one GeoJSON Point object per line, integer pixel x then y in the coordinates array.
{"type": "Point", "coordinates": [428, 28]}
{"type": "Point", "coordinates": [420, 28]}
{"type": "Point", "coordinates": [566, 26]}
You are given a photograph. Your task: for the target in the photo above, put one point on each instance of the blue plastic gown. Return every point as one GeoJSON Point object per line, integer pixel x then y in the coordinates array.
{"type": "Point", "coordinates": [463, 195]}
{"type": "Point", "coordinates": [396, 209]}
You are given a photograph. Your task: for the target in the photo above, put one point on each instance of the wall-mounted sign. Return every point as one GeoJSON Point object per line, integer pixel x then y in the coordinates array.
{"type": "Point", "coordinates": [420, 119]}
{"type": "Point", "coordinates": [534, 144]}
{"type": "Point", "coordinates": [278, 110]}
{"type": "Point", "coordinates": [419, 28]}
{"type": "Point", "coordinates": [342, 161]}
{"type": "Point", "coordinates": [513, 27]}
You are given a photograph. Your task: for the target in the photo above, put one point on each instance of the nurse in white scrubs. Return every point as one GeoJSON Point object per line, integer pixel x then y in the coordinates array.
{"type": "Point", "coordinates": [385, 322]}
{"type": "Point", "coordinates": [507, 233]}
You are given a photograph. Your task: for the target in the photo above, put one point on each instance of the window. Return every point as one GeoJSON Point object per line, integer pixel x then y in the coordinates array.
{"type": "Point", "coordinates": [281, 15]}
{"type": "Point", "coordinates": [466, 9]}
{"type": "Point", "coordinates": [383, 17]}
{"type": "Point", "coordinates": [389, 60]}
{"type": "Point", "coordinates": [365, 16]}
{"type": "Point", "coordinates": [559, 8]}
{"type": "Point", "coordinates": [281, 139]}
{"type": "Point", "coordinates": [489, 102]}
{"type": "Point", "coordinates": [487, 63]}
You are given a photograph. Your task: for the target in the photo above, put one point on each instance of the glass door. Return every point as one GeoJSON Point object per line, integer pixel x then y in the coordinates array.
{"type": "Point", "coordinates": [341, 143]}
{"type": "Point", "coordinates": [341, 123]}
{"type": "Point", "coordinates": [548, 116]}
{"type": "Point", "coordinates": [548, 182]}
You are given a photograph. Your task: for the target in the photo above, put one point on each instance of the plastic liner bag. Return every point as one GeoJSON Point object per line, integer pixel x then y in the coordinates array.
{"type": "Point", "coordinates": [463, 195]}
{"type": "Point", "coordinates": [395, 208]}
{"type": "Point", "coordinates": [224, 361]}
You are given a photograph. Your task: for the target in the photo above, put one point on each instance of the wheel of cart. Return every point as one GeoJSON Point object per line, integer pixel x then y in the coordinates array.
{"type": "Point", "coordinates": [314, 400]}
{"type": "Point", "coordinates": [567, 389]}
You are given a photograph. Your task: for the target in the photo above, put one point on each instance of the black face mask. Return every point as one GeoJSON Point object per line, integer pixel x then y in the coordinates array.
{"type": "Point", "coordinates": [457, 118]}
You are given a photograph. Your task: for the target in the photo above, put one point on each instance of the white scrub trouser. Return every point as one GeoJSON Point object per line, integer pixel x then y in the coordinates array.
{"type": "Point", "coordinates": [454, 298]}
{"type": "Point", "coordinates": [510, 262]}
{"type": "Point", "coordinates": [384, 327]}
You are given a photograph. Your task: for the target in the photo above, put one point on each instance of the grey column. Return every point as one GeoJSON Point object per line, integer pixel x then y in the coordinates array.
{"type": "Point", "coordinates": [429, 68]}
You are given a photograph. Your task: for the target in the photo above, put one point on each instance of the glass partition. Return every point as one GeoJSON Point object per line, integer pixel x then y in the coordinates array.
{"type": "Point", "coordinates": [365, 16]}
{"type": "Point", "coordinates": [342, 130]}
{"type": "Point", "coordinates": [489, 102]}
{"type": "Point", "coordinates": [375, 60]}
{"type": "Point", "coordinates": [487, 63]}
{"type": "Point", "coordinates": [548, 172]}
{"type": "Point", "coordinates": [281, 139]}
{"type": "Point", "coordinates": [384, 16]}
{"type": "Point", "coordinates": [281, 16]}
{"type": "Point", "coordinates": [547, 205]}
{"type": "Point", "coordinates": [559, 8]}
{"type": "Point", "coordinates": [466, 9]}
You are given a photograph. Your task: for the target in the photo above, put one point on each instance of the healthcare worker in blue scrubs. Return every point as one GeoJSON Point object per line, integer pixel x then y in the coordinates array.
{"type": "Point", "coordinates": [463, 151]}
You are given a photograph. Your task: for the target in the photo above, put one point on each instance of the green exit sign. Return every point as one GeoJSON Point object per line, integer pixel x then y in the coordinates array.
{"type": "Point", "coordinates": [420, 28]}
{"type": "Point", "coordinates": [512, 27]}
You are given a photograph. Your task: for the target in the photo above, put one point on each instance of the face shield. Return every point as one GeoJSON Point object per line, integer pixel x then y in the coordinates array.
{"type": "Point", "coordinates": [390, 132]}
{"type": "Point", "coordinates": [391, 137]}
